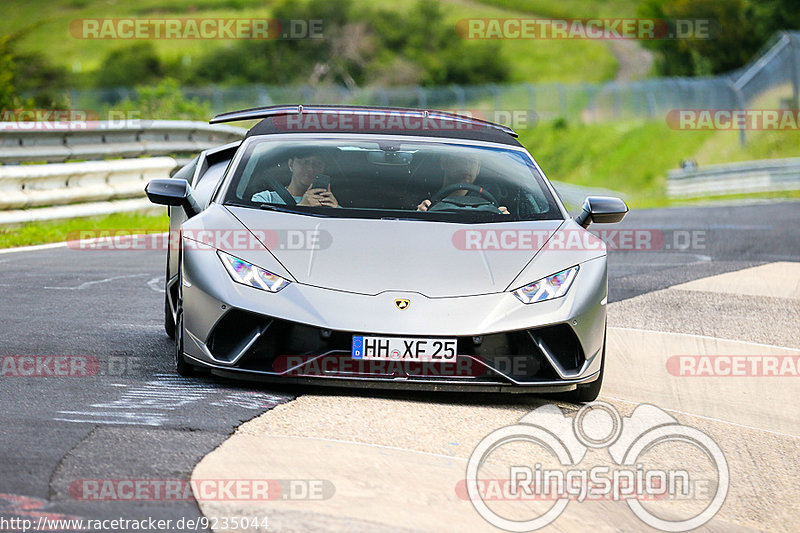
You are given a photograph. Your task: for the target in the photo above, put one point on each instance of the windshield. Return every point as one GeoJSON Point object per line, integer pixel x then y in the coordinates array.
{"type": "Point", "coordinates": [417, 179]}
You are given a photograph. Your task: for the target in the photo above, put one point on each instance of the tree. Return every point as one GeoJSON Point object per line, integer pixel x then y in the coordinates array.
{"type": "Point", "coordinates": [738, 29]}
{"type": "Point", "coordinates": [8, 92]}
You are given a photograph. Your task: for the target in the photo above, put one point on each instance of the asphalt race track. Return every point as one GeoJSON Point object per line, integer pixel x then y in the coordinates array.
{"type": "Point", "coordinates": [134, 419]}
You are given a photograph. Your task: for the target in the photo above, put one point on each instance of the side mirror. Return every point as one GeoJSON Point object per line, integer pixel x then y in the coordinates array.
{"type": "Point", "coordinates": [601, 209]}
{"type": "Point", "coordinates": [174, 192]}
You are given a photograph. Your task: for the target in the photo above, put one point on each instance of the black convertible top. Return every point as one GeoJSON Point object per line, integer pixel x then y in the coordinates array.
{"type": "Point", "coordinates": [375, 120]}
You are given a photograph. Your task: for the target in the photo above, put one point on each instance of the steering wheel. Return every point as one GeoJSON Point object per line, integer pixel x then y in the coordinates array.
{"type": "Point", "coordinates": [450, 189]}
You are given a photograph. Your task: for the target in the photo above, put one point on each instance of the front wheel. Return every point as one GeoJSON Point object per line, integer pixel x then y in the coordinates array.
{"type": "Point", "coordinates": [181, 366]}
{"type": "Point", "coordinates": [590, 391]}
{"type": "Point", "coordinates": [169, 320]}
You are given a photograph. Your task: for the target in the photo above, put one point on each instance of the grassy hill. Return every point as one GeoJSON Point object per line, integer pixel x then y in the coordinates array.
{"type": "Point", "coordinates": [634, 157]}
{"type": "Point", "coordinates": [535, 61]}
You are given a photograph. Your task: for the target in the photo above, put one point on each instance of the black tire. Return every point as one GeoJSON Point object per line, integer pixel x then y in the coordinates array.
{"type": "Point", "coordinates": [169, 322]}
{"type": "Point", "coordinates": [181, 366]}
{"type": "Point", "coordinates": [587, 392]}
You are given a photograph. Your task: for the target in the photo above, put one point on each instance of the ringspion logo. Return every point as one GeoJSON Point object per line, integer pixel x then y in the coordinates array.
{"type": "Point", "coordinates": [553, 470]}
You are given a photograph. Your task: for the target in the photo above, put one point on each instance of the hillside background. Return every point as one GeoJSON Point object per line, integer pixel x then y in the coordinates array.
{"type": "Point", "coordinates": [402, 43]}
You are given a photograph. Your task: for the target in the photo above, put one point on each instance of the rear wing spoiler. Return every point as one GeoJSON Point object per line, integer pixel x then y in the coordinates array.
{"type": "Point", "coordinates": [257, 113]}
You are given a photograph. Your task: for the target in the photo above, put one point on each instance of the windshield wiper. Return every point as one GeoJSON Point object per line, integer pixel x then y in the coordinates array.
{"type": "Point", "coordinates": [284, 209]}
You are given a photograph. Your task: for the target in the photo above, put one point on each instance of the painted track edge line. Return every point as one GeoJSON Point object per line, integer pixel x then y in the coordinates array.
{"type": "Point", "coordinates": [64, 244]}
{"type": "Point", "coordinates": [344, 441]}
{"type": "Point", "coordinates": [707, 337]}
{"type": "Point", "coordinates": [710, 418]}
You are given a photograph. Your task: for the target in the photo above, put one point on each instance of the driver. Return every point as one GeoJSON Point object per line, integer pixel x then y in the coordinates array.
{"type": "Point", "coordinates": [304, 165]}
{"type": "Point", "coordinates": [458, 169]}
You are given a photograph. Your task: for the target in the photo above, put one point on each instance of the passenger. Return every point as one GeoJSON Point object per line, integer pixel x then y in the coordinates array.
{"type": "Point", "coordinates": [304, 166]}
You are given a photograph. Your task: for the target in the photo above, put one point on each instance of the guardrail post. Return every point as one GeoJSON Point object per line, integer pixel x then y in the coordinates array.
{"type": "Point", "coordinates": [531, 89]}
{"type": "Point", "coordinates": [739, 97]}
{"type": "Point", "coordinates": [263, 96]}
{"type": "Point", "coordinates": [794, 58]}
{"type": "Point", "coordinates": [498, 106]}
{"type": "Point", "coordinates": [651, 102]}
{"type": "Point", "coordinates": [216, 98]}
{"type": "Point", "coordinates": [422, 98]}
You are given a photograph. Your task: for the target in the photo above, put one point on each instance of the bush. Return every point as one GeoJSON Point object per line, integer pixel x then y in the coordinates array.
{"type": "Point", "coordinates": [130, 66]}
{"type": "Point", "coordinates": [29, 73]}
{"type": "Point", "coordinates": [163, 101]}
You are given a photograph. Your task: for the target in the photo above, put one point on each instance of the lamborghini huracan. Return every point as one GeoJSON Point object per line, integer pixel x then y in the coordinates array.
{"type": "Point", "coordinates": [383, 247]}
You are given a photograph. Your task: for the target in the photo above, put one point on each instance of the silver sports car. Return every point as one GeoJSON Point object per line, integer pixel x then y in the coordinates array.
{"type": "Point", "coordinates": [383, 247]}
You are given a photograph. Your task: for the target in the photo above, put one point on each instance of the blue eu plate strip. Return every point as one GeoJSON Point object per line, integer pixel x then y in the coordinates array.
{"type": "Point", "coordinates": [358, 347]}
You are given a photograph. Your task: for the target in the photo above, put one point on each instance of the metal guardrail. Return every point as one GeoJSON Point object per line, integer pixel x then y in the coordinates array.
{"type": "Point", "coordinates": [766, 175]}
{"type": "Point", "coordinates": [103, 185]}
{"type": "Point", "coordinates": [23, 186]}
{"type": "Point", "coordinates": [92, 140]}
{"type": "Point", "coordinates": [66, 190]}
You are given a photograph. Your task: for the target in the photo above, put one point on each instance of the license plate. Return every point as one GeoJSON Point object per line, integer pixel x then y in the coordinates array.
{"type": "Point", "coordinates": [404, 348]}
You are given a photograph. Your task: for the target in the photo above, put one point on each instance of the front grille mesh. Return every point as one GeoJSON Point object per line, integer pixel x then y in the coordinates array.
{"type": "Point", "coordinates": [283, 344]}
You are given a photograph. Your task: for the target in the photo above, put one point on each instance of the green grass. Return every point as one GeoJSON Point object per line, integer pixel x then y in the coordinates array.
{"type": "Point", "coordinates": [724, 147]}
{"type": "Point", "coordinates": [63, 230]}
{"type": "Point", "coordinates": [571, 9]}
{"type": "Point", "coordinates": [634, 157]}
{"type": "Point", "coordinates": [630, 157]}
{"type": "Point", "coordinates": [539, 61]}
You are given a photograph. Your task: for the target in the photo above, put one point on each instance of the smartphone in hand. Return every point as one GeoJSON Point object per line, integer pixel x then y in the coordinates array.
{"type": "Point", "coordinates": [321, 181]}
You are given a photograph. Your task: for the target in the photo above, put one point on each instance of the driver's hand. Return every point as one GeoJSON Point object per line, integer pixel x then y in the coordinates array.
{"type": "Point", "coordinates": [327, 199]}
{"type": "Point", "coordinates": [313, 197]}
{"type": "Point", "coordinates": [424, 205]}
{"type": "Point", "coordinates": [503, 210]}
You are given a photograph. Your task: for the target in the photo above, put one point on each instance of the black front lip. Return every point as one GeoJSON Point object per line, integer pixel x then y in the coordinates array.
{"type": "Point", "coordinates": [239, 342]}
{"type": "Point", "coordinates": [405, 383]}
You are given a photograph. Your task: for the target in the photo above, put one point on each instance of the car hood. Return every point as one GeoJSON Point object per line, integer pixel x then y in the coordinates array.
{"type": "Point", "coordinates": [373, 256]}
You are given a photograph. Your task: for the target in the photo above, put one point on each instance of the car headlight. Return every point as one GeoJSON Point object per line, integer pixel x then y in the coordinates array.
{"type": "Point", "coordinates": [251, 275]}
{"type": "Point", "coordinates": [547, 288]}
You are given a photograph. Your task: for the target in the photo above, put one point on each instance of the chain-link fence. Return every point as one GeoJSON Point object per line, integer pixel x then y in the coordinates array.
{"type": "Point", "coordinates": [770, 81]}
